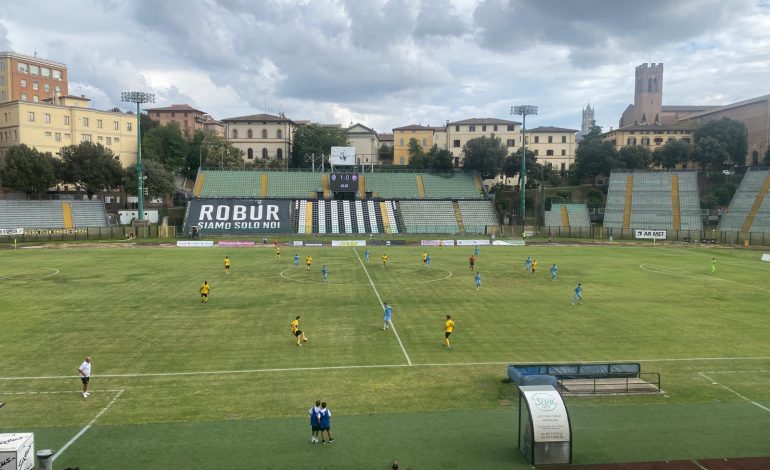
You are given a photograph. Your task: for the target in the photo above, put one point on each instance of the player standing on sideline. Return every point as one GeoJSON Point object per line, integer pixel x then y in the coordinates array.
{"type": "Point", "coordinates": [534, 267]}
{"type": "Point", "coordinates": [315, 423]}
{"type": "Point", "coordinates": [309, 262]}
{"type": "Point", "coordinates": [387, 316]}
{"type": "Point", "coordinates": [427, 261]}
{"type": "Point", "coordinates": [366, 255]}
{"type": "Point", "coordinates": [449, 327]}
{"type": "Point", "coordinates": [227, 265]}
{"type": "Point", "coordinates": [85, 375]}
{"type": "Point", "coordinates": [384, 260]}
{"type": "Point", "coordinates": [424, 258]}
{"type": "Point", "coordinates": [713, 265]}
{"type": "Point", "coordinates": [578, 297]}
{"type": "Point", "coordinates": [471, 262]}
{"type": "Point", "coordinates": [478, 279]}
{"type": "Point", "coordinates": [554, 271]}
{"type": "Point", "coordinates": [476, 252]}
{"type": "Point", "coordinates": [325, 418]}
{"type": "Point", "coordinates": [204, 290]}
{"type": "Point", "coordinates": [296, 260]}
{"type": "Point", "coordinates": [297, 332]}
{"type": "Point", "coordinates": [325, 272]}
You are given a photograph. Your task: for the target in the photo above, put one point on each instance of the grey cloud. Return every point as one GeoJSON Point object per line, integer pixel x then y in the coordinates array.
{"type": "Point", "coordinates": [439, 18]}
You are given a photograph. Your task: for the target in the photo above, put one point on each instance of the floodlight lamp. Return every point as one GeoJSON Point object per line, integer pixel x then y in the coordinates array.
{"type": "Point", "coordinates": [524, 110]}
{"type": "Point", "coordinates": [137, 97]}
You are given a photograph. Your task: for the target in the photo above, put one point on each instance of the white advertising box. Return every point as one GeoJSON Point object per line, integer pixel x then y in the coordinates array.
{"type": "Point", "coordinates": [651, 234]}
{"type": "Point", "coordinates": [765, 256]}
{"type": "Point", "coordinates": [17, 451]}
{"type": "Point", "coordinates": [437, 242]}
{"type": "Point", "coordinates": [195, 243]}
{"type": "Point", "coordinates": [545, 435]}
{"type": "Point", "coordinates": [127, 216]}
{"type": "Point", "coordinates": [348, 242]}
{"type": "Point", "coordinates": [473, 242]}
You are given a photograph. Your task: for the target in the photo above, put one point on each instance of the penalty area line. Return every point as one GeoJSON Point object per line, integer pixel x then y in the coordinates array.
{"type": "Point", "coordinates": [395, 332]}
{"type": "Point", "coordinates": [86, 427]}
{"type": "Point", "coordinates": [734, 392]}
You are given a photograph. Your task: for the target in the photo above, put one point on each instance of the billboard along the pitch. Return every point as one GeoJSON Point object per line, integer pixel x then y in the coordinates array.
{"type": "Point", "coordinates": [239, 216]}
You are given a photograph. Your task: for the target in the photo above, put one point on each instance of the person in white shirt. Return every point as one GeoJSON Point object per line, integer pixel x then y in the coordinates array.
{"type": "Point", "coordinates": [85, 374]}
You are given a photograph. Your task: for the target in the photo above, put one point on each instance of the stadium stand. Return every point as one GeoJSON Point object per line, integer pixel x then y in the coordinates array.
{"type": "Point", "coordinates": [450, 186]}
{"type": "Point", "coordinates": [229, 184]}
{"type": "Point", "coordinates": [653, 200]}
{"type": "Point", "coordinates": [428, 216]}
{"type": "Point", "coordinates": [567, 215]}
{"type": "Point", "coordinates": [477, 215]}
{"type": "Point", "coordinates": [392, 185]}
{"type": "Point", "coordinates": [299, 184]}
{"type": "Point", "coordinates": [749, 210]}
{"type": "Point", "coordinates": [52, 214]}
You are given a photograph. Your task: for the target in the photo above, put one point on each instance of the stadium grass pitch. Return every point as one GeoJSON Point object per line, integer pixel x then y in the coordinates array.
{"type": "Point", "coordinates": [223, 385]}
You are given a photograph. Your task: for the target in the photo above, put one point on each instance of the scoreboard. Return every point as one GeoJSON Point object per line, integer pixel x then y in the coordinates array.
{"type": "Point", "coordinates": [347, 182]}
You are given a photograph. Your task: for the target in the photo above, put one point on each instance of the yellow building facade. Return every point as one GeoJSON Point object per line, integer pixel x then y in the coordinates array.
{"type": "Point", "coordinates": [650, 136]}
{"type": "Point", "coordinates": [49, 126]}
{"type": "Point", "coordinates": [402, 136]}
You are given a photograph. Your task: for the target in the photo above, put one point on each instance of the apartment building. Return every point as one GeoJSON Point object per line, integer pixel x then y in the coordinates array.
{"type": "Point", "coordinates": [553, 146]}
{"type": "Point", "coordinates": [458, 133]}
{"type": "Point", "coordinates": [650, 136]}
{"type": "Point", "coordinates": [189, 118]}
{"type": "Point", "coordinates": [261, 136]}
{"type": "Point", "coordinates": [31, 78]}
{"type": "Point", "coordinates": [366, 143]}
{"type": "Point", "coordinates": [55, 123]}
{"type": "Point", "coordinates": [402, 136]}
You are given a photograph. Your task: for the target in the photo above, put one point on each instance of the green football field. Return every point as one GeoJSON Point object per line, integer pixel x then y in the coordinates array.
{"type": "Point", "coordinates": [180, 384]}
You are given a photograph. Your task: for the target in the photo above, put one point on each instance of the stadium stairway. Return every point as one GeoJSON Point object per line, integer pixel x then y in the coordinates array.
{"type": "Point", "coordinates": [676, 213]}
{"type": "Point", "coordinates": [66, 210]}
{"type": "Point", "coordinates": [263, 191]}
{"type": "Point", "coordinates": [458, 216]}
{"type": "Point", "coordinates": [199, 184]}
{"type": "Point", "coordinates": [564, 217]}
{"type": "Point", "coordinates": [362, 186]}
{"type": "Point", "coordinates": [757, 204]}
{"type": "Point", "coordinates": [420, 187]}
{"type": "Point", "coordinates": [627, 207]}
{"type": "Point", "coordinates": [325, 182]}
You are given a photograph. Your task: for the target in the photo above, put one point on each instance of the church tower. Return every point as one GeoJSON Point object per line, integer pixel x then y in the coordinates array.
{"type": "Point", "coordinates": [648, 94]}
{"type": "Point", "coordinates": [588, 122]}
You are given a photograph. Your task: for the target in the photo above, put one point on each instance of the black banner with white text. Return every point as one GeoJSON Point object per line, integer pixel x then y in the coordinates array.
{"type": "Point", "coordinates": [239, 216]}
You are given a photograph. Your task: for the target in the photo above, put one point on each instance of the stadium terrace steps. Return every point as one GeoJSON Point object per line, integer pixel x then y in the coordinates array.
{"type": "Point", "coordinates": [477, 215]}
{"type": "Point", "coordinates": [567, 215]}
{"type": "Point", "coordinates": [458, 216]}
{"type": "Point", "coordinates": [50, 214]}
{"type": "Point", "coordinates": [757, 204]}
{"type": "Point", "coordinates": [199, 184]}
{"type": "Point", "coordinates": [564, 216]}
{"type": "Point", "coordinates": [675, 213]}
{"type": "Point", "coordinates": [628, 201]}
{"type": "Point", "coordinates": [420, 187]}
{"type": "Point", "coordinates": [745, 201]}
{"type": "Point", "coordinates": [66, 209]}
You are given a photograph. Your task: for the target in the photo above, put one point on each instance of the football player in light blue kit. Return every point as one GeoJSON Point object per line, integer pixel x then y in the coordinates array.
{"type": "Point", "coordinates": [528, 264]}
{"type": "Point", "coordinates": [387, 315]}
{"type": "Point", "coordinates": [366, 255]}
{"type": "Point", "coordinates": [476, 251]}
{"type": "Point", "coordinates": [554, 271]}
{"type": "Point", "coordinates": [296, 261]}
{"type": "Point", "coordinates": [427, 261]}
{"type": "Point", "coordinates": [478, 280]}
{"type": "Point", "coordinates": [578, 297]}
{"type": "Point", "coordinates": [325, 272]}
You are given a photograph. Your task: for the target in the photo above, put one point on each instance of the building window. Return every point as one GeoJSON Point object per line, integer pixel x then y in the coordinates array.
{"type": "Point", "coordinates": [48, 134]}
{"type": "Point", "coordinates": [85, 138]}
{"type": "Point", "coordinates": [34, 70]}
{"type": "Point", "coordinates": [402, 141]}
{"type": "Point", "coordinates": [549, 152]}
{"type": "Point", "coordinates": [116, 139]}
{"type": "Point", "coordinates": [46, 87]}
{"type": "Point", "coordinates": [279, 134]}
{"type": "Point", "coordinates": [45, 71]}
{"type": "Point", "coordinates": [129, 126]}
{"type": "Point", "coordinates": [424, 142]}
{"type": "Point", "coordinates": [510, 143]}
{"type": "Point", "coordinates": [66, 120]}
{"type": "Point", "coordinates": [494, 128]}
{"type": "Point", "coordinates": [472, 128]}
{"type": "Point", "coordinates": [250, 154]}
{"type": "Point", "coordinates": [57, 137]}
{"type": "Point", "coordinates": [563, 152]}
{"type": "Point", "coordinates": [457, 128]}
{"type": "Point", "coordinates": [456, 143]}
{"type": "Point", "coordinates": [22, 68]}
{"type": "Point", "coordinates": [483, 128]}
{"type": "Point", "coordinates": [646, 141]}
{"type": "Point", "coordinates": [563, 166]}
{"type": "Point", "coordinates": [23, 97]}
{"type": "Point", "coordinates": [99, 123]}
{"type": "Point", "coordinates": [510, 127]}
{"type": "Point", "coordinates": [249, 134]}
{"type": "Point", "coordinates": [109, 140]}
{"type": "Point", "coordinates": [56, 74]}
{"type": "Point", "coordinates": [264, 133]}
{"type": "Point", "coordinates": [686, 140]}
{"type": "Point", "coordinates": [401, 161]}
{"type": "Point", "coordinates": [658, 140]}
{"type": "Point", "coordinates": [235, 133]}
{"type": "Point", "coordinates": [631, 141]}
{"type": "Point", "coordinates": [99, 138]}
{"type": "Point", "coordinates": [264, 153]}
{"type": "Point", "coordinates": [537, 140]}
{"type": "Point", "coordinates": [86, 121]}
{"type": "Point", "coordinates": [550, 139]}
{"type": "Point", "coordinates": [31, 116]}
{"type": "Point", "coordinates": [279, 154]}
{"type": "Point", "coordinates": [564, 139]}
{"type": "Point", "coordinates": [115, 125]}
{"type": "Point", "coordinates": [23, 84]}
{"type": "Point", "coordinates": [537, 152]}
{"type": "Point", "coordinates": [67, 135]}
{"type": "Point", "coordinates": [47, 118]}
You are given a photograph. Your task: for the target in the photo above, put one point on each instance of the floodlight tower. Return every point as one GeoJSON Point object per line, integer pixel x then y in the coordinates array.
{"type": "Point", "coordinates": [138, 97]}
{"type": "Point", "coordinates": [523, 110]}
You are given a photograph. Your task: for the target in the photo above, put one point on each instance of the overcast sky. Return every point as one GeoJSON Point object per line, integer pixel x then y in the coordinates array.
{"type": "Point", "coordinates": [389, 63]}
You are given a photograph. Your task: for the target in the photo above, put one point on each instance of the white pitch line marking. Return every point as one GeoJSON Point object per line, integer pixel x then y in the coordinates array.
{"type": "Point", "coordinates": [654, 268]}
{"type": "Point", "coordinates": [86, 427]}
{"type": "Point", "coordinates": [733, 391]}
{"type": "Point", "coordinates": [11, 276]}
{"type": "Point", "coordinates": [283, 275]}
{"type": "Point", "coordinates": [378, 366]}
{"type": "Point", "coordinates": [408, 361]}
{"type": "Point", "coordinates": [53, 393]}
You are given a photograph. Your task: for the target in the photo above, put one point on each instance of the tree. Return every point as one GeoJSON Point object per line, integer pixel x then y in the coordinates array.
{"type": "Point", "coordinates": [417, 158]}
{"type": "Point", "coordinates": [441, 159]}
{"type": "Point", "coordinates": [28, 170]}
{"type": "Point", "coordinates": [635, 157]}
{"type": "Point", "coordinates": [710, 152]}
{"type": "Point", "coordinates": [167, 146]}
{"type": "Point", "coordinates": [158, 181]}
{"type": "Point", "coordinates": [315, 139]}
{"type": "Point", "coordinates": [210, 150]}
{"type": "Point", "coordinates": [512, 166]}
{"type": "Point", "coordinates": [386, 153]}
{"type": "Point", "coordinates": [484, 155]}
{"type": "Point", "coordinates": [91, 166]}
{"type": "Point", "coordinates": [672, 153]}
{"type": "Point", "coordinates": [731, 134]}
{"type": "Point", "coordinates": [147, 123]}
{"type": "Point", "coordinates": [593, 157]}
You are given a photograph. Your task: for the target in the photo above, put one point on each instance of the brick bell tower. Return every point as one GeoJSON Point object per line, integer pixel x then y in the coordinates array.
{"type": "Point", "coordinates": [648, 94]}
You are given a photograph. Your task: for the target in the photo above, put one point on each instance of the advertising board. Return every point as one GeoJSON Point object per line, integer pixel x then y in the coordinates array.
{"type": "Point", "coordinates": [239, 216]}
{"type": "Point", "coordinates": [650, 234]}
